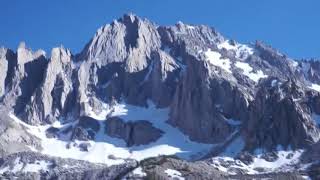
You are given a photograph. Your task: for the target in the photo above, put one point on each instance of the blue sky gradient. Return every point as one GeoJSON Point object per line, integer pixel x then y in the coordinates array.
{"type": "Point", "coordinates": [292, 26]}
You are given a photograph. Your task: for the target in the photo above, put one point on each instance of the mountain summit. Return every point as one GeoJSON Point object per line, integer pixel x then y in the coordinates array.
{"type": "Point", "coordinates": [139, 90]}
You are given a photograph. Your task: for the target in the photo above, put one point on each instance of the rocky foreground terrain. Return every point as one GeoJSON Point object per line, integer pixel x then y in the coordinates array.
{"type": "Point", "coordinates": [145, 101]}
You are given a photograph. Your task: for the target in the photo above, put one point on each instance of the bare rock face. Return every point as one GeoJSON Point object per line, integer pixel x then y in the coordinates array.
{"type": "Point", "coordinates": [4, 70]}
{"type": "Point", "coordinates": [14, 137]}
{"type": "Point", "coordinates": [134, 133]}
{"type": "Point", "coordinates": [55, 96]}
{"type": "Point", "coordinates": [210, 100]}
{"type": "Point", "coordinates": [7, 61]}
{"type": "Point", "coordinates": [28, 73]}
{"type": "Point", "coordinates": [157, 168]}
{"type": "Point", "coordinates": [280, 115]}
{"type": "Point", "coordinates": [310, 69]}
{"type": "Point", "coordinates": [172, 168]}
{"type": "Point", "coordinates": [119, 52]}
{"type": "Point", "coordinates": [85, 129]}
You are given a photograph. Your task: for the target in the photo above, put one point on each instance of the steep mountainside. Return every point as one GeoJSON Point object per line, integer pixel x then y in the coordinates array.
{"type": "Point", "coordinates": [139, 90]}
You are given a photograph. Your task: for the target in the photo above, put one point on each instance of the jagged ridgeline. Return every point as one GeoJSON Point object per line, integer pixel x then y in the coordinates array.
{"type": "Point", "coordinates": [138, 90]}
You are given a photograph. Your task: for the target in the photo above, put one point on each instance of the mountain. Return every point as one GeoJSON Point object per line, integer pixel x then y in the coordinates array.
{"type": "Point", "coordinates": [143, 100]}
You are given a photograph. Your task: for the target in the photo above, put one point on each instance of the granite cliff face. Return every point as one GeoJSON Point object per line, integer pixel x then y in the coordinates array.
{"type": "Point", "coordinates": [136, 83]}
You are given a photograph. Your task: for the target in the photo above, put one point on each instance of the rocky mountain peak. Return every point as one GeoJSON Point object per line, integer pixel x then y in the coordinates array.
{"type": "Point", "coordinates": [182, 89]}
{"type": "Point", "coordinates": [25, 55]}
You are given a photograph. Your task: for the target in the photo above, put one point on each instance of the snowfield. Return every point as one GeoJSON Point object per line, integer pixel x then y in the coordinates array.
{"type": "Point", "coordinates": [172, 142]}
{"type": "Point", "coordinates": [242, 51]}
{"type": "Point", "coordinates": [248, 71]}
{"type": "Point", "coordinates": [215, 59]}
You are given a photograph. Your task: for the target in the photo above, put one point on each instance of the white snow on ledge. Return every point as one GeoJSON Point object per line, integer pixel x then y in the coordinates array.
{"type": "Point", "coordinates": [172, 142]}
{"type": "Point", "coordinates": [242, 51]}
{"type": "Point", "coordinates": [215, 59]}
{"type": "Point", "coordinates": [248, 71]}
{"type": "Point", "coordinates": [315, 87]}
{"type": "Point", "coordinates": [138, 171]}
{"type": "Point", "coordinates": [174, 174]}
{"type": "Point", "coordinates": [286, 161]}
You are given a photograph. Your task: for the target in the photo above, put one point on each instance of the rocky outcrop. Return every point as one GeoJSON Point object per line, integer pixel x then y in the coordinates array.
{"type": "Point", "coordinates": [280, 116]}
{"type": "Point", "coordinates": [8, 59]}
{"type": "Point", "coordinates": [4, 70]}
{"type": "Point", "coordinates": [55, 97]}
{"type": "Point", "coordinates": [117, 58]}
{"type": "Point", "coordinates": [28, 74]}
{"type": "Point", "coordinates": [156, 168]}
{"type": "Point", "coordinates": [30, 165]}
{"type": "Point", "coordinates": [310, 69]}
{"type": "Point", "coordinates": [133, 133]}
{"type": "Point", "coordinates": [14, 137]}
{"type": "Point", "coordinates": [85, 129]}
{"type": "Point", "coordinates": [210, 100]}
{"type": "Point", "coordinates": [171, 168]}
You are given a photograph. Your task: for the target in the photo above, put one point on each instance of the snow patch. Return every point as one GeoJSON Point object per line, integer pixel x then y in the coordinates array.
{"type": "Point", "coordinates": [215, 59]}
{"type": "Point", "coordinates": [315, 87]}
{"type": "Point", "coordinates": [294, 63]}
{"type": "Point", "coordinates": [139, 171]}
{"type": "Point", "coordinates": [283, 160]}
{"type": "Point", "coordinates": [37, 166]}
{"type": "Point", "coordinates": [306, 177]}
{"type": "Point", "coordinates": [190, 27]}
{"type": "Point", "coordinates": [101, 116]}
{"type": "Point", "coordinates": [286, 161]}
{"type": "Point", "coordinates": [248, 71]}
{"type": "Point", "coordinates": [174, 174]}
{"type": "Point", "coordinates": [242, 51]}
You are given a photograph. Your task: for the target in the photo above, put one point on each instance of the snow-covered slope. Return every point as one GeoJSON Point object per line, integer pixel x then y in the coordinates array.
{"type": "Point", "coordinates": [108, 150]}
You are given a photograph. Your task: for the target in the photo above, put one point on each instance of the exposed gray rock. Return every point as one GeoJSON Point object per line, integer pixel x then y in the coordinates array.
{"type": "Point", "coordinates": [210, 100]}
{"type": "Point", "coordinates": [85, 129]}
{"type": "Point", "coordinates": [18, 166]}
{"type": "Point", "coordinates": [81, 134]}
{"type": "Point", "coordinates": [155, 169]}
{"type": "Point", "coordinates": [14, 137]}
{"type": "Point", "coordinates": [55, 97]}
{"type": "Point", "coordinates": [4, 69]}
{"type": "Point", "coordinates": [84, 146]}
{"type": "Point", "coordinates": [28, 75]}
{"type": "Point", "coordinates": [134, 133]}
{"type": "Point", "coordinates": [279, 116]}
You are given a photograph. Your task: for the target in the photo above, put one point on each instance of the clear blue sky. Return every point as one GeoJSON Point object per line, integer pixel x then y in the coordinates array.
{"type": "Point", "coordinates": [293, 26]}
